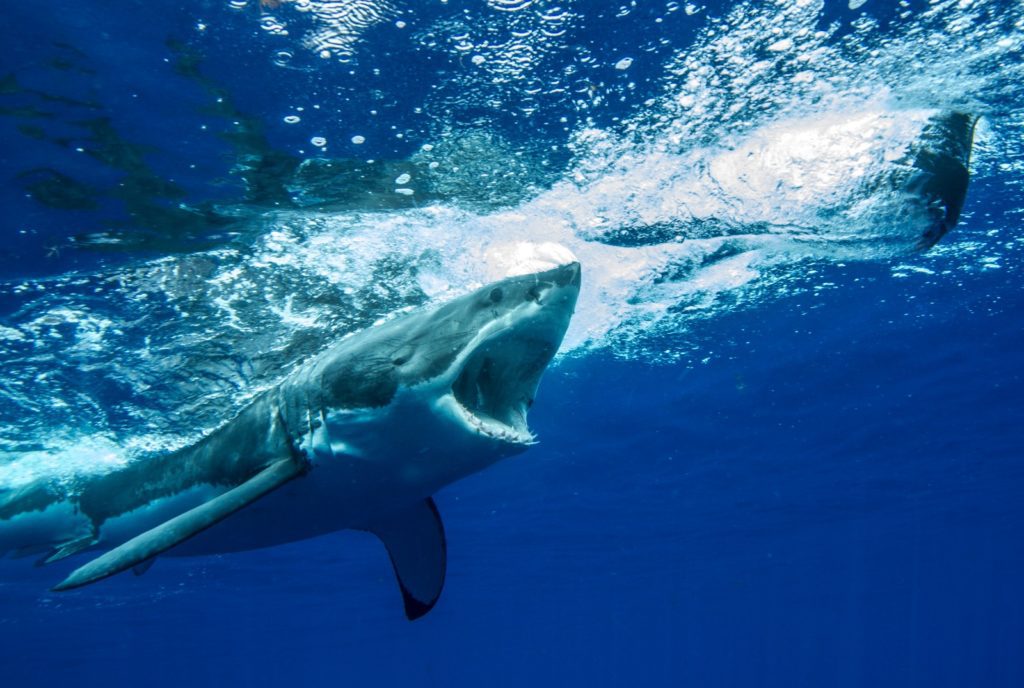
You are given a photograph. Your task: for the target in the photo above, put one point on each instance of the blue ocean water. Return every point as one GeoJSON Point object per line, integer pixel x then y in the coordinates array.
{"type": "Point", "coordinates": [781, 446]}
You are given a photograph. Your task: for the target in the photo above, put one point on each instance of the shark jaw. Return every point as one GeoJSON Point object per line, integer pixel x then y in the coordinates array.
{"type": "Point", "coordinates": [494, 391]}
{"type": "Point", "coordinates": [494, 380]}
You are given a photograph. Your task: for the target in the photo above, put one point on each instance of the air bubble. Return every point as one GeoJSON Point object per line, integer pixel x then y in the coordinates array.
{"type": "Point", "coordinates": [509, 5]}
{"type": "Point", "coordinates": [358, 139]}
{"type": "Point", "coordinates": [292, 119]}
{"type": "Point", "coordinates": [273, 26]}
{"type": "Point", "coordinates": [318, 141]}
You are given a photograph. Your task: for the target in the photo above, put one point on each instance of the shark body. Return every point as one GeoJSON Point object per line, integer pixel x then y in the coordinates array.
{"type": "Point", "coordinates": [360, 437]}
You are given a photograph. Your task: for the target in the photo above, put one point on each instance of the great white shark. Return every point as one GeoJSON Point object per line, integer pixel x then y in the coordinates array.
{"type": "Point", "coordinates": [360, 437]}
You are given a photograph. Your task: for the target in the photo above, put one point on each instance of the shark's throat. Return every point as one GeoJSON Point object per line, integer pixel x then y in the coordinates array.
{"type": "Point", "coordinates": [495, 389]}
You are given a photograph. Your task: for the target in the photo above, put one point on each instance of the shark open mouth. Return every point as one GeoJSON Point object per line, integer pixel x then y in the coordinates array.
{"type": "Point", "coordinates": [497, 384]}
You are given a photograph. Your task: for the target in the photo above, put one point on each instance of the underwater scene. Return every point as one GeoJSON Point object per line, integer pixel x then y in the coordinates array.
{"type": "Point", "coordinates": [512, 342]}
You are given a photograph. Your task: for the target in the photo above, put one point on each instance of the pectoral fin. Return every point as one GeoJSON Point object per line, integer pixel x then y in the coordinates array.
{"type": "Point", "coordinates": [180, 528]}
{"type": "Point", "coordinates": [67, 549]}
{"type": "Point", "coordinates": [415, 541]}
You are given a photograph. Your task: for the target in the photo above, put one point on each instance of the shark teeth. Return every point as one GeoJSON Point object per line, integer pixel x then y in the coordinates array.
{"type": "Point", "coordinates": [493, 428]}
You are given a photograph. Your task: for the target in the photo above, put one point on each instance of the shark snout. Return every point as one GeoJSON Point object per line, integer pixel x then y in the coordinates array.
{"type": "Point", "coordinates": [558, 288]}
{"type": "Point", "coordinates": [555, 292]}
{"type": "Point", "coordinates": [568, 275]}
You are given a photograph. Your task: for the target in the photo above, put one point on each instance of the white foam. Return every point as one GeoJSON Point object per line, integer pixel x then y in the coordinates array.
{"type": "Point", "coordinates": [718, 187]}
{"type": "Point", "coordinates": [80, 456]}
{"type": "Point", "coordinates": [526, 257]}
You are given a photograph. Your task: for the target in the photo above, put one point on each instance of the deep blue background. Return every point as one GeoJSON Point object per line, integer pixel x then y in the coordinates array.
{"type": "Point", "coordinates": [832, 499]}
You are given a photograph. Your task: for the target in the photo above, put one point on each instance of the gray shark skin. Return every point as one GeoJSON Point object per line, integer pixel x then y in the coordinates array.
{"type": "Point", "coordinates": [360, 437]}
{"type": "Point", "coordinates": [938, 172]}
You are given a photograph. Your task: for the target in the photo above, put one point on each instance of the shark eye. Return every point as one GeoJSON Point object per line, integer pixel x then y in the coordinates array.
{"type": "Point", "coordinates": [400, 360]}
{"type": "Point", "coordinates": [496, 295]}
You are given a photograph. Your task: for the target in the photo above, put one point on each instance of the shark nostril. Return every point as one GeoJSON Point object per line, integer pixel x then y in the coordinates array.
{"type": "Point", "coordinates": [533, 293]}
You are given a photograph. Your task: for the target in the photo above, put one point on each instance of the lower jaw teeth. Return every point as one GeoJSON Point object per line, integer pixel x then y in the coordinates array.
{"type": "Point", "coordinates": [493, 430]}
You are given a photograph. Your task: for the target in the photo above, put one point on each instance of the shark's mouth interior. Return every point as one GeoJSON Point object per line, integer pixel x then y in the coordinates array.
{"type": "Point", "coordinates": [498, 381]}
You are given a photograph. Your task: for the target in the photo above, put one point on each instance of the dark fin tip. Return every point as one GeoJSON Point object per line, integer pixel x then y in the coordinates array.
{"type": "Point", "coordinates": [414, 609]}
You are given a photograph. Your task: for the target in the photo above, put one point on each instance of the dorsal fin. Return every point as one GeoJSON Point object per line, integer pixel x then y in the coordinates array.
{"type": "Point", "coordinates": [182, 527]}
{"type": "Point", "coordinates": [415, 541]}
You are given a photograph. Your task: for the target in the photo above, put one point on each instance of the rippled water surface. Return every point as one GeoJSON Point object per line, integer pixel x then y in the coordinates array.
{"type": "Point", "coordinates": [780, 445]}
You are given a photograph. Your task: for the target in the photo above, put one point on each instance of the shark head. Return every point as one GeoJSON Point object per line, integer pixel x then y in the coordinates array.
{"type": "Point", "coordinates": [472, 365]}
{"type": "Point", "coordinates": [515, 326]}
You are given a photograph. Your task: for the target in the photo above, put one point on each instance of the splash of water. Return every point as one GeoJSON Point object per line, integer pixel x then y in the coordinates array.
{"type": "Point", "coordinates": [764, 152]}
